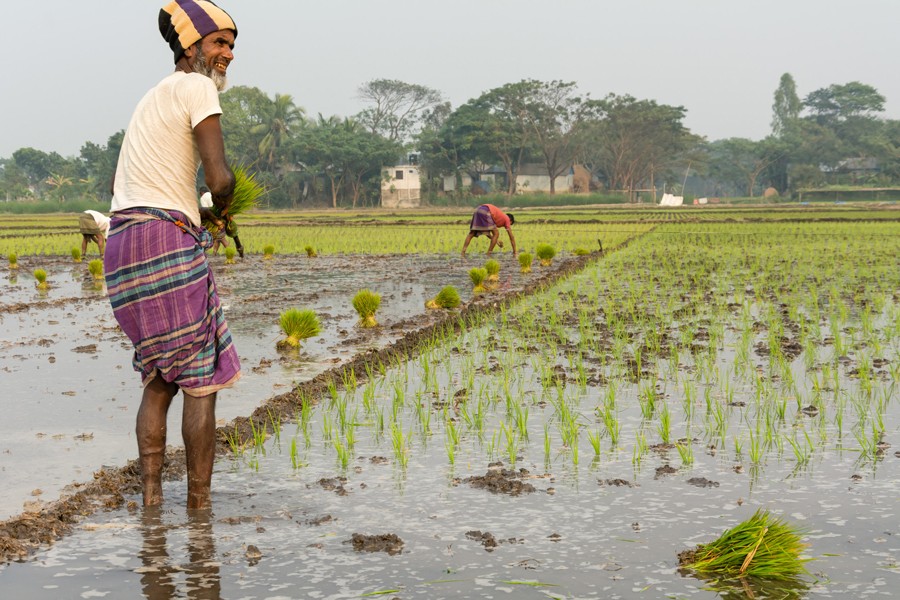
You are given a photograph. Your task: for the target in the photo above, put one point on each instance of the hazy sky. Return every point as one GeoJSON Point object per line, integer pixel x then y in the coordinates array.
{"type": "Point", "coordinates": [73, 71]}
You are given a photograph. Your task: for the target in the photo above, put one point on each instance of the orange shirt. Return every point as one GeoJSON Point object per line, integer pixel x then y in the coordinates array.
{"type": "Point", "coordinates": [499, 217]}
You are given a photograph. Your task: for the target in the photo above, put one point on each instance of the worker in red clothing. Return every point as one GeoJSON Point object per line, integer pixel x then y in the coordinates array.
{"type": "Point", "coordinates": [487, 220]}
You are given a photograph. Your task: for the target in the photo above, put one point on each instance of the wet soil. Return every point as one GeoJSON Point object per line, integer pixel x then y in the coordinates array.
{"type": "Point", "coordinates": [253, 293]}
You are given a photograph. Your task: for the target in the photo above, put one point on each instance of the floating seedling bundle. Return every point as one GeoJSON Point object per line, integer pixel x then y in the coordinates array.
{"type": "Point", "coordinates": [268, 251]}
{"type": "Point", "coordinates": [40, 275]}
{"type": "Point", "coordinates": [447, 298]}
{"type": "Point", "coordinates": [95, 268]}
{"type": "Point", "coordinates": [366, 303]}
{"type": "Point", "coordinates": [525, 261]}
{"type": "Point", "coordinates": [478, 275]}
{"type": "Point", "coordinates": [230, 253]}
{"type": "Point", "coordinates": [76, 255]}
{"type": "Point", "coordinates": [762, 546]}
{"type": "Point", "coordinates": [298, 325]}
{"type": "Point", "coordinates": [545, 252]}
{"type": "Point", "coordinates": [13, 261]}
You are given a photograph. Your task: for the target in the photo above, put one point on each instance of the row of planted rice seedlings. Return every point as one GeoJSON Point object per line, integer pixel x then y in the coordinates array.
{"type": "Point", "coordinates": [407, 239]}
{"type": "Point", "coordinates": [627, 357]}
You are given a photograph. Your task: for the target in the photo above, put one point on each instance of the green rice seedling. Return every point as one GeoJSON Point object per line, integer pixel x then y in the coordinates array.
{"type": "Point", "coordinates": [13, 261]}
{"type": "Point", "coordinates": [298, 325]}
{"type": "Point", "coordinates": [76, 255]}
{"type": "Point", "coordinates": [525, 260]}
{"type": "Point", "coordinates": [275, 423]}
{"type": "Point", "coordinates": [545, 252]}
{"type": "Point", "coordinates": [296, 463]}
{"type": "Point", "coordinates": [640, 448]}
{"type": "Point", "coordinates": [665, 424]}
{"type": "Point", "coordinates": [269, 251]}
{"type": "Point", "coordinates": [478, 275]}
{"type": "Point", "coordinates": [400, 444]}
{"type": "Point", "coordinates": [594, 439]}
{"type": "Point", "coordinates": [685, 451]}
{"type": "Point", "coordinates": [95, 268]}
{"type": "Point", "coordinates": [447, 298]}
{"type": "Point", "coordinates": [763, 546]}
{"type": "Point", "coordinates": [310, 252]}
{"type": "Point", "coordinates": [259, 435]}
{"type": "Point", "coordinates": [235, 443]}
{"type": "Point", "coordinates": [40, 275]}
{"type": "Point", "coordinates": [343, 453]}
{"type": "Point", "coordinates": [230, 253]}
{"type": "Point", "coordinates": [366, 302]}
{"type": "Point", "coordinates": [581, 251]}
{"type": "Point", "coordinates": [493, 270]}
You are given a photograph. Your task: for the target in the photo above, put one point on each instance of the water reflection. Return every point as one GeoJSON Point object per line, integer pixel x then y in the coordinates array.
{"type": "Point", "coordinates": [160, 577]}
{"type": "Point", "coordinates": [751, 588]}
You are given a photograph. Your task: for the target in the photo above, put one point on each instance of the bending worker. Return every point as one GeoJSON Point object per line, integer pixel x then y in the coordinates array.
{"type": "Point", "coordinates": [486, 221]}
{"type": "Point", "coordinates": [94, 227]}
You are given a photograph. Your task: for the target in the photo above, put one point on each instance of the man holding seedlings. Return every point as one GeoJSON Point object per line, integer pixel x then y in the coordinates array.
{"type": "Point", "coordinates": [94, 227]}
{"type": "Point", "coordinates": [486, 221]}
{"type": "Point", "coordinates": [160, 286]}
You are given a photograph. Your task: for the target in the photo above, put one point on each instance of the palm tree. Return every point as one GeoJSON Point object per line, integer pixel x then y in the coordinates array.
{"type": "Point", "coordinates": [281, 117]}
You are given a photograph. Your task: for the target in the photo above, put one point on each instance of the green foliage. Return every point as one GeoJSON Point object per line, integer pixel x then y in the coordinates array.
{"type": "Point", "coordinates": [76, 254]}
{"type": "Point", "coordinates": [298, 325]}
{"type": "Point", "coordinates": [247, 195]}
{"type": "Point", "coordinates": [366, 303]}
{"type": "Point", "coordinates": [268, 251]}
{"type": "Point", "coordinates": [762, 546]}
{"type": "Point", "coordinates": [447, 298]}
{"type": "Point", "coordinates": [581, 251]}
{"type": "Point", "coordinates": [13, 260]}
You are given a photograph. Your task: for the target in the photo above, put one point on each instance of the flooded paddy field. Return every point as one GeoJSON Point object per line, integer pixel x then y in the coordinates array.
{"type": "Point", "coordinates": [565, 445]}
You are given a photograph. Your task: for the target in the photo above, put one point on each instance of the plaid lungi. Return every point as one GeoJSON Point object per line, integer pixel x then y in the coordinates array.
{"type": "Point", "coordinates": [164, 297]}
{"type": "Point", "coordinates": [482, 220]}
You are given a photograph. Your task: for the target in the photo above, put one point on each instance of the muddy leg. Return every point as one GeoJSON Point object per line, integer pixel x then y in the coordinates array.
{"type": "Point", "coordinates": [198, 428]}
{"type": "Point", "coordinates": [151, 436]}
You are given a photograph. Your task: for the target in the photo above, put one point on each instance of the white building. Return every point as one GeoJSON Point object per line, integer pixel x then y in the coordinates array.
{"type": "Point", "coordinates": [401, 187]}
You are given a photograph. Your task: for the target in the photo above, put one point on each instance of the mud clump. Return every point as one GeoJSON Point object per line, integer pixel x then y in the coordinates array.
{"type": "Point", "coordinates": [488, 540]}
{"type": "Point", "coordinates": [335, 484]}
{"type": "Point", "coordinates": [385, 542]}
{"type": "Point", "coordinates": [502, 481]}
{"type": "Point", "coordinates": [702, 482]}
{"type": "Point", "coordinates": [617, 482]}
{"type": "Point", "coordinates": [664, 470]}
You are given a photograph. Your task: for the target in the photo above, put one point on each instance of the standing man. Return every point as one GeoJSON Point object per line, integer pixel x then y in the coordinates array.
{"type": "Point", "coordinates": [486, 221]}
{"type": "Point", "coordinates": [160, 286]}
{"type": "Point", "coordinates": [94, 227]}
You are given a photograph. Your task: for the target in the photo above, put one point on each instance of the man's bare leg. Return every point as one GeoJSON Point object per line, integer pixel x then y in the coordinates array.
{"type": "Point", "coordinates": [198, 428]}
{"type": "Point", "coordinates": [151, 436]}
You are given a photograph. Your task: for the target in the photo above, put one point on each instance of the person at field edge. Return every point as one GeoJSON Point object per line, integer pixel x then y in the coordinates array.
{"type": "Point", "coordinates": [219, 239]}
{"type": "Point", "coordinates": [160, 285]}
{"type": "Point", "coordinates": [94, 227]}
{"type": "Point", "coordinates": [487, 220]}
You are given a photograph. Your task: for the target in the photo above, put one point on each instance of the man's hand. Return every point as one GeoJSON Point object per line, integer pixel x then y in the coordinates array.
{"type": "Point", "coordinates": [207, 214]}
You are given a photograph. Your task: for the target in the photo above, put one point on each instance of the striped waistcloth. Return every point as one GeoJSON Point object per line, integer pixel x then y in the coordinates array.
{"type": "Point", "coordinates": [482, 219]}
{"type": "Point", "coordinates": [164, 297]}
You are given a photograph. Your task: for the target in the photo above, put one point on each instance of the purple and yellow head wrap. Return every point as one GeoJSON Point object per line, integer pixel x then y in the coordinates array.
{"type": "Point", "coordinates": [183, 23]}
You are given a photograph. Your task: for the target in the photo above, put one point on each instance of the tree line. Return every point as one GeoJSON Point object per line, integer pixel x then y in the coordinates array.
{"type": "Point", "coordinates": [833, 135]}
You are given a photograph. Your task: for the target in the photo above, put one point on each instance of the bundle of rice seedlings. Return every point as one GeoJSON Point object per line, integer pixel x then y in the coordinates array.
{"type": "Point", "coordinates": [546, 252]}
{"type": "Point", "coordinates": [298, 325]}
{"type": "Point", "coordinates": [525, 261]}
{"type": "Point", "coordinates": [95, 268]}
{"type": "Point", "coordinates": [478, 275]}
{"type": "Point", "coordinates": [13, 261]}
{"type": "Point", "coordinates": [268, 251]}
{"type": "Point", "coordinates": [230, 253]}
{"type": "Point", "coordinates": [366, 302]}
{"type": "Point", "coordinates": [76, 254]}
{"type": "Point", "coordinates": [493, 270]}
{"type": "Point", "coordinates": [247, 195]}
{"type": "Point", "coordinates": [40, 275]}
{"type": "Point", "coordinates": [581, 251]}
{"type": "Point", "coordinates": [448, 298]}
{"type": "Point", "coordinates": [762, 546]}
{"type": "Point", "coordinates": [310, 252]}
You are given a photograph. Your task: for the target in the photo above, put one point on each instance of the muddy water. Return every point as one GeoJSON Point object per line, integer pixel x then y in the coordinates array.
{"type": "Point", "coordinates": [71, 394]}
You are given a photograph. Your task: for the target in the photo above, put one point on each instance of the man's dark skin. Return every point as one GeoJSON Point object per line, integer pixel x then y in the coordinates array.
{"type": "Point", "coordinates": [198, 423]}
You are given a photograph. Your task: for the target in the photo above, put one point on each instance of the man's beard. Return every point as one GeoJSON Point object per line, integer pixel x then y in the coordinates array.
{"type": "Point", "coordinates": [201, 66]}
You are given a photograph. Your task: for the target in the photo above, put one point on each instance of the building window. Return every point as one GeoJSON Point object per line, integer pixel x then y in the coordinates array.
{"type": "Point", "coordinates": [398, 174]}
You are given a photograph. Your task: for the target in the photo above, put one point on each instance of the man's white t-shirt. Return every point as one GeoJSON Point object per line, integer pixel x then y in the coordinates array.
{"type": "Point", "coordinates": [159, 158]}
